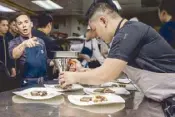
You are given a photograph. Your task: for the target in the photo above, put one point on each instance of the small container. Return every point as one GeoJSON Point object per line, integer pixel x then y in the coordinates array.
{"type": "Point", "coordinates": [72, 65]}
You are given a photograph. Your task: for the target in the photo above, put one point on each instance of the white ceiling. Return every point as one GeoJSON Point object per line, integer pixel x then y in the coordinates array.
{"type": "Point", "coordinates": [79, 7]}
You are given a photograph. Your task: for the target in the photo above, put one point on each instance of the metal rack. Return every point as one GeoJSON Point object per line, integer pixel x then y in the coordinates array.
{"type": "Point", "coordinates": [62, 58]}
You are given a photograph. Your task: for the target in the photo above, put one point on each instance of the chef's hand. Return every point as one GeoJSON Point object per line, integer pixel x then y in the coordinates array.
{"type": "Point", "coordinates": [84, 69]}
{"type": "Point", "coordinates": [51, 63]}
{"type": "Point", "coordinates": [67, 78]}
{"type": "Point", "coordinates": [31, 42]}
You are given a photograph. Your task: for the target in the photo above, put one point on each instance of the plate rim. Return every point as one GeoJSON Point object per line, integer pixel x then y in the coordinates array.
{"type": "Point", "coordinates": [70, 100]}
{"type": "Point", "coordinates": [61, 90]}
{"type": "Point", "coordinates": [85, 90]}
{"type": "Point", "coordinates": [37, 88]}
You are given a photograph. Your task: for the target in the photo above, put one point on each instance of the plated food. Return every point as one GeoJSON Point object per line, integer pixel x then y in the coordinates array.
{"type": "Point", "coordinates": [68, 87]}
{"type": "Point", "coordinates": [130, 87]}
{"type": "Point", "coordinates": [104, 90]}
{"type": "Point", "coordinates": [60, 88]}
{"type": "Point", "coordinates": [109, 90]}
{"type": "Point", "coordinates": [95, 99]}
{"type": "Point", "coordinates": [87, 100]}
{"type": "Point", "coordinates": [37, 93]}
{"type": "Point", "coordinates": [122, 85]}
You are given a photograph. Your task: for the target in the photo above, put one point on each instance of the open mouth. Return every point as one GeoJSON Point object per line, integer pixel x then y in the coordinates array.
{"type": "Point", "coordinates": [25, 30]}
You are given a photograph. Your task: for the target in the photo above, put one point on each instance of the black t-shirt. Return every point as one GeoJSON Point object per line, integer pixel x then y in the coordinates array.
{"type": "Point", "coordinates": [51, 45]}
{"type": "Point", "coordinates": [142, 47]}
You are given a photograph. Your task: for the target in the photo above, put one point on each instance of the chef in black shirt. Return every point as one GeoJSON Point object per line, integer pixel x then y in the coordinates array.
{"type": "Point", "coordinates": [132, 43]}
{"type": "Point", "coordinates": [4, 55]}
{"type": "Point", "coordinates": [43, 30]}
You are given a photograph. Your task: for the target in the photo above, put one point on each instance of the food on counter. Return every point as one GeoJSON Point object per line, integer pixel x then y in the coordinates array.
{"type": "Point", "coordinates": [104, 90]}
{"type": "Point", "coordinates": [67, 87]}
{"type": "Point", "coordinates": [86, 99]}
{"type": "Point", "coordinates": [122, 85]}
{"type": "Point", "coordinates": [100, 99]}
{"type": "Point", "coordinates": [95, 99]}
{"type": "Point", "coordinates": [39, 93]}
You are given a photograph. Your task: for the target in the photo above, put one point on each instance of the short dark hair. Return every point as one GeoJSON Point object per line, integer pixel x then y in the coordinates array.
{"type": "Point", "coordinates": [44, 19]}
{"type": "Point", "coordinates": [100, 7]}
{"type": "Point", "coordinates": [12, 19]}
{"type": "Point", "coordinates": [169, 6]}
{"type": "Point", "coordinates": [96, 4]}
{"type": "Point", "coordinates": [3, 18]}
{"type": "Point", "coordinates": [19, 14]}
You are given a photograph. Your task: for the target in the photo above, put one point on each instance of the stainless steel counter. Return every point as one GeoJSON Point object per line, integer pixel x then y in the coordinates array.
{"type": "Point", "coordinates": [14, 106]}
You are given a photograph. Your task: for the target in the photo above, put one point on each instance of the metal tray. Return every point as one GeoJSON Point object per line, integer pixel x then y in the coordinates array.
{"type": "Point", "coordinates": [65, 54]}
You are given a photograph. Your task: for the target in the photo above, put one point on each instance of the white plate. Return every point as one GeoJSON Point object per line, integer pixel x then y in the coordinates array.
{"type": "Point", "coordinates": [74, 87]}
{"type": "Point", "coordinates": [124, 81]}
{"type": "Point", "coordinates": [111, 99]}
{"type": "Point", "coordinates": [118, 91]}
{"type": "Point", "coordinates": [27, 93]}
{"type": "Point", "coordinates": [130, 87]}
{"type": "Point", "coordinates": [110, 84]}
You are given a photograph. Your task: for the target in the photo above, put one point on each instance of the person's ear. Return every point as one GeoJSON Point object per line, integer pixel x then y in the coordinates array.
{"type": "Point", "coordinates": [104, 21]}
{"type": "Point", "coordinates": [163, 13]}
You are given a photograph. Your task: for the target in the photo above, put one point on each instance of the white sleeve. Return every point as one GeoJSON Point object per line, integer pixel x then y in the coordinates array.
{"type": "Point", "coordinates": [96, 52]}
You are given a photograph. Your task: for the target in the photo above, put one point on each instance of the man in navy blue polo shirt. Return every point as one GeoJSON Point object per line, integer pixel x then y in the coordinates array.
{"type": "Point", "coordinates": [29, 50]}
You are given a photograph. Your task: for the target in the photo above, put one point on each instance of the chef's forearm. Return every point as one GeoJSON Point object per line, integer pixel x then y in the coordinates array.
{"type": "Point", "coordinates": [18, 51]}
{"type": "Point", "coordinates": [93, 77]}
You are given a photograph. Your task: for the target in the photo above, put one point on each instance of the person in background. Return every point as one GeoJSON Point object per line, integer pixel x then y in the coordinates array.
{"type": "Point", "coordinates": [4, 55]}
{"type": "Point", "coordinates": [13, 31]}
{"type": "Point", "coordinates": [8, 72]}
{"type": "Point", "coordinates": [103, 47]}
{"type": "Point", "coordinates": [90, 53]}
{"type": "Point", "coordinates": [166, 14]}
{"type": "Point", "coordinates": [12, 34]}
{"type": "Point", "coordinates": [43, 30]}
{"type": "Point", "coordinates": [30, 51]}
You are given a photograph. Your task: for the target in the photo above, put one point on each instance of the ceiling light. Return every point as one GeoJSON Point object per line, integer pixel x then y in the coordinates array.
{"type": "Point", "coordinates": [47, 4]}
{"type": "Point", "coordinates": [5, 9]}
{"type": "Point", "coordinates": [117, 5]}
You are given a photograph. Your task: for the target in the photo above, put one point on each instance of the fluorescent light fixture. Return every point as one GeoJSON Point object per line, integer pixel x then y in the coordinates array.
{"type": "Point", "coordinates": [5, 9]}
{"type": "Point", "coordinates": [47, 4]}
{"type": "Point", "coordinates": [117, 4]}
